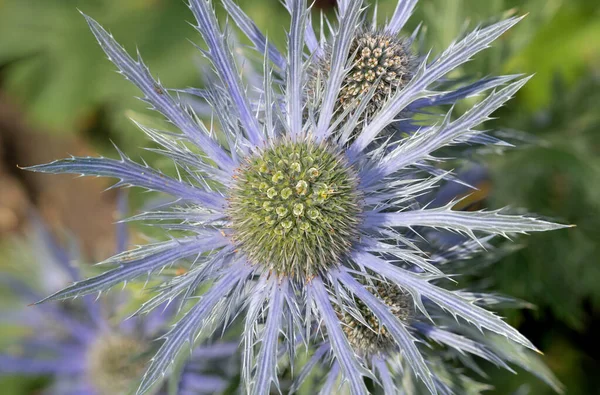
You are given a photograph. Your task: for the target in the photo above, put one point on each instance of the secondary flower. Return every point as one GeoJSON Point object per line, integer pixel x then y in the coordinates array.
{"type": "Point", "coordinates": [382, 63]}
{"type": "Point", "coordinates": [298, 215]}
{"type": "Point", "coordinates": [79, 347]}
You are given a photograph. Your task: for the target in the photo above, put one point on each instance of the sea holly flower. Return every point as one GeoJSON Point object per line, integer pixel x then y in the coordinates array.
{"type": "Point", "coordinates": [81, 348]}
{"type": "Point", "coordinates": [297, 213]}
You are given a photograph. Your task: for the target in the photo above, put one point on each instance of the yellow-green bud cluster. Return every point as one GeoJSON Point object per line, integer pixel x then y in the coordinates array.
{"type": "Point", "coordinates": [294, 208]}
{"type": "Point", "coordinates": [380, 60]}
{"type": "Point", "coordinates": [374, 339]}
{"type": "Point", "coordinates": [115, 364]}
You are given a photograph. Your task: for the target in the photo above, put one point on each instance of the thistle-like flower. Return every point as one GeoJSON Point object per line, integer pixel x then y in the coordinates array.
{"type": "Point", "coordinates": [79, 346]}
{"type": "Point", "coordinates": [381, 63]}
{"type": "Point", "coordinates": [300, 219]}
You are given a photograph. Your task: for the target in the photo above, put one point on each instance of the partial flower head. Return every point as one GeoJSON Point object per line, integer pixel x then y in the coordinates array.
{"type": "Point", "coordinates": [81, 349]}
{"type": "Point", "coordinates": [300, 218]}
{"type": "Point", "coordinates": [381, 64]}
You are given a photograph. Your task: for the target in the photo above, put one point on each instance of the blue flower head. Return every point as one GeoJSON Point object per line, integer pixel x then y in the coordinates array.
{"type": "Point", "coordinates": [81, 349]}
{"type": "Point", "coordinates": [304, 208]}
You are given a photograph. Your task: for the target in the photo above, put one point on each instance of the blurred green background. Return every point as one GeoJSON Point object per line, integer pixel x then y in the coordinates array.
{"type": "Point", "coordinates": [59, 96]}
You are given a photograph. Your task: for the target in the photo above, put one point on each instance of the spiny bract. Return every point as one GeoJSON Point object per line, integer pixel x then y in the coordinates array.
{"type": "Point", "coordinates": [324, 240]}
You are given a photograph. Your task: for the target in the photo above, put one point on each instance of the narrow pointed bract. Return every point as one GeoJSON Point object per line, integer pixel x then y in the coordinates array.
{"type": "Point", "coordinates": [317, 221]}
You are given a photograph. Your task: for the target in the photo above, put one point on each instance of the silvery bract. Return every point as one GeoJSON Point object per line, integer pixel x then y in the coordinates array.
{"type": "Point", "coordinates": [303, 208]}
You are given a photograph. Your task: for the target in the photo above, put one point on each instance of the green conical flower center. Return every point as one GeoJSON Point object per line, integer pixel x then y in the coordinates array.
{"type": "Point", "coordinates": [295, 208]}
{"type": "Point", "coordinates": [115, 364]}
{"type": "Point", "coordinates": [373, 339]}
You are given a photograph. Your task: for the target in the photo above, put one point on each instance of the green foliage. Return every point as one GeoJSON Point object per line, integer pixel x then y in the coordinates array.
{"type": "Point", "coordinates": [55, 68]}
{"type": "Point", "coordinates": [560, 178]}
